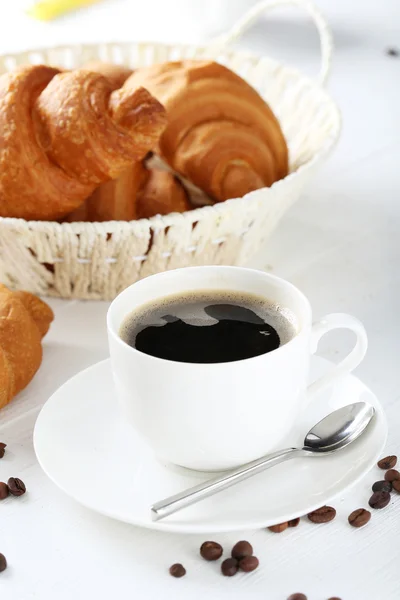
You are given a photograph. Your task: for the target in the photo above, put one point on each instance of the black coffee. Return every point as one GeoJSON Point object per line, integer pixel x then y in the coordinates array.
{"type": "Point", "coordinates": [208, 327]}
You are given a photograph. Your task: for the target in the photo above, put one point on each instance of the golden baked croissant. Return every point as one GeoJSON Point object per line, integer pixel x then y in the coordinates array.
{"type": "Point", "coordinates": [24, 320]}
{"type": "Point", "coordinates": [62, 134]}
{"type": "Point", "coordinates": [139, 193]}
{"type": "Point", "coordinates": [221, 134]}
{"type": "Point", "coordinates": [112, 200]}
{"type": "Point", "coordinates": [116, 74]}
{"type": "Point", "coordinates": [161, 194]}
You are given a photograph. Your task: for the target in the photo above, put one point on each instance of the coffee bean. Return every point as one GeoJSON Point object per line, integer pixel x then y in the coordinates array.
{"type": "Point", "coordinates": [229, 567]}
{"type": "Point", "coordinates": [4, 491]}
{"type": "Point", "coordinates": [322, 515]}
{"type": "Point", "coordinates": [16, 486]}
{"type": "Point", "coordinates": [177, 570]}
{"type": "Point", "coordinates": [382, 486]}
{"type": "Point", "coordinates": [249, 563]}
{"type": "Point", "coordinates": [334, 598]}
{"type": "Point", "coordinates": [279, 528]}
{"type": "Point", "coordinates": [359, 517]}
{"type": "Point", "coordinates": [392, 475]}
{"type": "Point", "coordinates": [379, 500]}
{"type": "Point", "coordinates": [2, 449]}
{"type": "Point", "coordinates": [242, 549]}
{"type": "Point", "coordinates": [297, 597]}
{"type": "Point", "coordinates": [294, 522]}
{"type": "Point", "coordinates": [211, 550]}
{"type": "Point", "coordinates": [387, 463]}
{"type": "Point", "coordinates": [393, 52]}
{"type": "Point", "coordinates": [3, 563]}
{"type": "Point", "coordinates": [396, 485]}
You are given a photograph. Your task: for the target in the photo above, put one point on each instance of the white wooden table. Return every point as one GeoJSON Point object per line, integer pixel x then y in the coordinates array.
{"type": "Point", "coordinates": [340, 244]}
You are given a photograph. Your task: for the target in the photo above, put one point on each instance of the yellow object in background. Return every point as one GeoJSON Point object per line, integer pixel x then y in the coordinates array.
{"type": "Point", "coordinates": [46, 10]}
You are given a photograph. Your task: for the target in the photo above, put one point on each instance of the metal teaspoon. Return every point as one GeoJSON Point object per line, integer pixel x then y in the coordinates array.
{"type": "Point", "coordinates": [334, 432]}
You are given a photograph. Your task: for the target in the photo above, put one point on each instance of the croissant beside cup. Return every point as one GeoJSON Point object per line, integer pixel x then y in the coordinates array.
{"type": "Point", "coordinates": [24, 321]}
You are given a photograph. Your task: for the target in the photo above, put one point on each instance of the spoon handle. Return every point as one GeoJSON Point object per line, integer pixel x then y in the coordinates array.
{"type": "Point", "coordinates": [173, 504]}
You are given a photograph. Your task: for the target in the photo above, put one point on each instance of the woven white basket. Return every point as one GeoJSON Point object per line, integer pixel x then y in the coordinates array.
{"type": "Point", "coordinates": [98, 260]}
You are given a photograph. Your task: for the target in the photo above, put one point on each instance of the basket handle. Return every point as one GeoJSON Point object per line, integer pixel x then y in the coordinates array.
{"type": "Point", "coordinates": [251, 16]}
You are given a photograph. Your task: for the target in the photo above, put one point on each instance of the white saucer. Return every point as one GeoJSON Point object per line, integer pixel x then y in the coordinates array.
{"type": "Point", "coordinates": [86, 448]}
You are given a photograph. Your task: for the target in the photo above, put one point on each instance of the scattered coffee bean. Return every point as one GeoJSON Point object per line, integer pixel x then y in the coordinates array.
{"type": "Point", "coordinates": [279, 528]}
{"type": "Point", "coordinates": [396, 485]}
{"type": "Point", "coordinates": [229, 567]}
{"type": "Point", "coordinates": [249, 563]}
{"type": "Point", "coordinates": [334, 598]}
{"type": "Point", "coordinates": [297, 597]}
{"type": "Point", "coordinates": [2, 449]}
{"type": "Point", "coordinates": [3, 563]}
{"type": "Point", "coordinates": [359, 517]}
{"type": "Point", "coordinates": [387, 463]}
{"type": "Point", "coordinates": [177, 570]}
{"type": "Point", "coordinates": [382, 486]}
{"type": "Point", "coordinates": [322, 515]}
{"type": "Point", "coordinates": [392, 475]}
{"type": "Point", "coordinates": [294, 522]}
{"type": "Point", "coordinates": [379, 499]}
{"type": "Point", "coordinates": [211, 550]}
{"type": "Point", "coordinates": [242, 549]}
{"type": "Point", "coordinates": [16, 486]}
{"type": "Point", "coordinates": [393, 52]}
{"type": "Point", "coordinates": [3, 490]}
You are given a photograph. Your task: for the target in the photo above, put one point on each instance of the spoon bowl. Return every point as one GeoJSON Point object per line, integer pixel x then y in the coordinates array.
{"type": "Point", "coordinates": [340, 428]}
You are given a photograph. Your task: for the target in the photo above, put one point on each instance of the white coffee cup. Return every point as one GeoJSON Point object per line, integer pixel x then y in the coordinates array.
{"type": "Point", "coordinates": [216, 416]}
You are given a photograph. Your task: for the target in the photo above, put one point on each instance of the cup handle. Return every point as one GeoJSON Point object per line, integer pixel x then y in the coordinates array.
{"type": "Point", "coordinates": [352, 360]}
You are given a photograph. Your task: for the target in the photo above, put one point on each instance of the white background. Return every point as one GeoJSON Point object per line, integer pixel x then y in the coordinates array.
{"type": "Point", "coordinates": [340, 244]}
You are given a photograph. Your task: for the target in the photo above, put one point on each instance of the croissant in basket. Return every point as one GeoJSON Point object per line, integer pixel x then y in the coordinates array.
{"type": "Point", "coordinates": [139, 192]}
{"type": "Point", "coordinates": [24, 321]}
{"type": "Point", "coordinates": [64, 133]}
{"type": "Point", "coordinates": [116, 74]}
{"type": "Point", "coordinates": [221, 134]}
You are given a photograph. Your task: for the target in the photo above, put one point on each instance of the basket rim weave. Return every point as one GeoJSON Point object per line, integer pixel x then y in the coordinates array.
{"type": "Point", "coordinates": [208, 51]}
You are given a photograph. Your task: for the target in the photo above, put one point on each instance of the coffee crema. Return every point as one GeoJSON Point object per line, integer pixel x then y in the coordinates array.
{"type": "Point", "coordinates": [208, 326]}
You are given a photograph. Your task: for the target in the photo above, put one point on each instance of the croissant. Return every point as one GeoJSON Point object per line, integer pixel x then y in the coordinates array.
{"type": "Point", "coordinates": [138, 194]}
{"type": "Point", "coordinates": [112, 200]}
{"type": "Point", "coordinates": [62, 134]}
{"type": "Point", "coordinates": [24, 320]}
{"type": "Point", "coordinates": [161, 194]}
{"type": "Point", "coordinates": [221, 134]}
{"type": "Point", "coordinates": [116, 74]}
